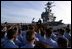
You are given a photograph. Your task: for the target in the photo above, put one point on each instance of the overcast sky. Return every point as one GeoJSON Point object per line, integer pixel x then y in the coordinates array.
{"type": "Point", "coordinates": [25, 11]}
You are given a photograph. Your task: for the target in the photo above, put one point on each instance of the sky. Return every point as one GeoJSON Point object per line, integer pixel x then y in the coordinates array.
{"type": "Point", "coordinates": [25, 11]}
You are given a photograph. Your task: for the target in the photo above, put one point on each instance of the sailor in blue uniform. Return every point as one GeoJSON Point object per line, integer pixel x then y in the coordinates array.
{"type": "Point", "coordinates": [11, 35]}
{"type": "Point", "coordinates": [30, 37]}
{"type": "Point", "coordinates": [49, 40]}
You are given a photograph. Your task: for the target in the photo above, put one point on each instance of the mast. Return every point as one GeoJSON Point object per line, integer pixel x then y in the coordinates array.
{"type": "Point", "coordinates": [47, 16]}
